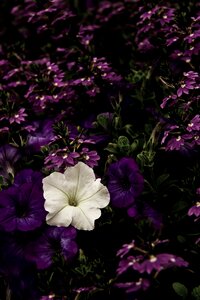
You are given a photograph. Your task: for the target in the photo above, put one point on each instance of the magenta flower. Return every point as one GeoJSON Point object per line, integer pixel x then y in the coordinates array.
{"type": "Point", "coordinates": [195, 210]}
{"type": "Point", "coordinates": [60, 159]}
{"type": "Point", "coordinates": [194, 124]}
{"type": "Point", "coordinates": [18, 117]}
{"type": "Point", "coordinates": [90, 158]}
{"type": "Point", "coordinates": [175, 143]}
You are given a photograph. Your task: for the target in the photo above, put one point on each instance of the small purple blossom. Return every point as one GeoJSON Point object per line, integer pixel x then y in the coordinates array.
{"type": "Point", "coordinates": [184, 88]}
{"type": "Point", "coordinates": [18, 117]}
{"type": "Point", "coordinates": [194, 124]}
{"type": "Point", "coordinates": [195, 210]}
{"type": "Point", "coordinates": [134, 286]}
{"type": "Point", "coordinates": [89, 157]}
{"type": "Point", "coordinates": [60, 159]}
{"type": "Point", "coordinates": [125, 249]}
{"type": "Point", "coordinates": [130, 262]}
{"type": "Point", "coordinates": [159, 262]}
{"type": "Point", "coordinates": [175, 143]}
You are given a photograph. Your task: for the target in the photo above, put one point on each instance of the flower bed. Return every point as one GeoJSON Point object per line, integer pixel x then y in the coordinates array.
{"type": "Point", "coordinates": [99, 153]}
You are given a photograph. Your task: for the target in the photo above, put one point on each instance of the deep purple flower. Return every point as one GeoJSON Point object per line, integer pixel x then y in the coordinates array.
{"type": "Point", "coordinates": [42, 134]}
{"type": "Point", "coordinates": [54, 241]}
{"type": "Point", "coordinates": [125, 182]}
{"type": "Point", "coordinates": [153, 216]}
{"type": "Point", "coordinates": [27, 176]}
{"type": "Point", "coordinates": [22, 206]}
{"type": "Point", "coordinates": [18, 271]}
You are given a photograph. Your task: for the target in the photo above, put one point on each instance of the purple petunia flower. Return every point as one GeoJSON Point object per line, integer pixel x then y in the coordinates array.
{"type": "Point", "coordinates": [18, 271]}
{"type": "Point", "coordinates": [153, 216]}
{"type": "Point", "coordinates": [125, 182]}
{"type": "Point", "coordinates": [42, 134]}
{"type": "Point", "coordinates": [22, 205]}
{"type": "Point", "coordinates": [54, 240]}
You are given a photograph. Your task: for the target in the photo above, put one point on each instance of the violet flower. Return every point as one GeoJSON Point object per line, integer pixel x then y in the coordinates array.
{"type": "Point", "coordinates": [22, 206]}
{"type": "Point", "coordinates": [125, 182]}
{"type": "Point", "coordinates": [42, 135]}
{"type": "Point", "coordinates": [54, 241]}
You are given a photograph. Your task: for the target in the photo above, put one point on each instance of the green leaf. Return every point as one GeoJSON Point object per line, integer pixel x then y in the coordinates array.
{"type": "Point", "coordinates": [196, 292]}
{"type": "Point", "coordinates": [134, 145]}
{"type": "Point", "coordinates": [180, 289]}
{"type": "Point", "coordinates": [112, 148]}
{"type": "Point", "coordinates": [117, 123]}
{"type": "Point", "coordinates": [162, 178]}
{"type": "Point", "coordinates": [123, 143]}
{"type": "Point", "coordinates": [102, 120]}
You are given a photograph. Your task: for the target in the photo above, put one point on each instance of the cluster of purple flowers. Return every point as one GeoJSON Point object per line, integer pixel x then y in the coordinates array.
{"type": "Point", "coordinates": [25, 239]}
{"type": "Point", "coordinates": [144, 263]}
{"type": "Point", "coordinates": [110, 88]}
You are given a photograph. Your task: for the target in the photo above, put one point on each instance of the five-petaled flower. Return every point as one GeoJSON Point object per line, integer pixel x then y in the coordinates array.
{"type": "Point", "coordinates": [125, 182]}
{"type": "Point", "coordinates": [74, 197]}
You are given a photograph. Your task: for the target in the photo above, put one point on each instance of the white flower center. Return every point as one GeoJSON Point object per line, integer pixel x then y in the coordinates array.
{"type": "Point", "coordinates": [153, 259]}
{"type": "Point", "coordinates": [72, 201]}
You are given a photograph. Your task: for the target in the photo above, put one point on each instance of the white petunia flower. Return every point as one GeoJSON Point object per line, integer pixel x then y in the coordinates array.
{"type": "Point", "coordinates": [74, 197]}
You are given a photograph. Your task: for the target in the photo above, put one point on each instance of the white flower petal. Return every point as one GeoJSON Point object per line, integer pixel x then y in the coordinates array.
{"type": "Point", "coordinates": [74, 197]}
{"type": "Point", "coordinates": [62, 217]}
{"type": "Point", "coordinates": [80, 178]}
{"type": "Point", "coordinates": [97, 196]}
{"type": "Point", "coordinates": [55, 192]}
{"type": "Point", "coordinates": [84, 219]}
